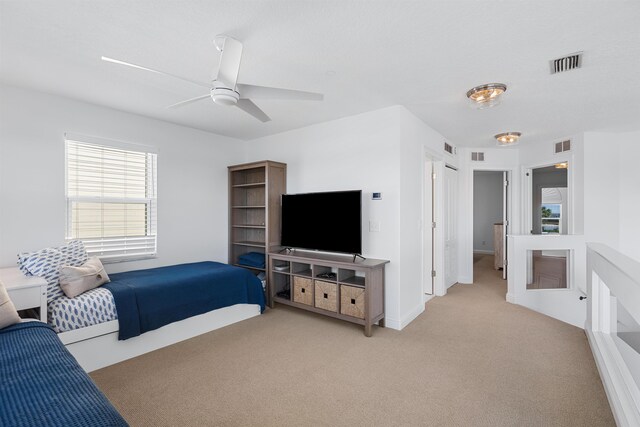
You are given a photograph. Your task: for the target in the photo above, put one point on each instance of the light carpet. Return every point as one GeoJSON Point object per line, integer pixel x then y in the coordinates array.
{"type": "Point", "coordinates": [471, 359]}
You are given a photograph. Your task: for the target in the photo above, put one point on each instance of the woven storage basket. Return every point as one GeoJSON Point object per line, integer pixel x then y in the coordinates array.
{"type": "Point", "coordinates": [326, 295]}
{"type": "Point", "coordinates": [352, 301]}
{"type": "Point", "coordinates": [303, 290]}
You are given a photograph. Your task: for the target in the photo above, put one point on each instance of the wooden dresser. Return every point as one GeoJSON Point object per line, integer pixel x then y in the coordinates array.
{"type": "Point", "coordinates": [498, 245]}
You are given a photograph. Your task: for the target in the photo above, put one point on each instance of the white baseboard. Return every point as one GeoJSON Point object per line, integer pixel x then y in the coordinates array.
{"type": "Point", "coordinates": [618, 382]}
{"type": "Point", "coordinates": [511, 298]}
{"type": "Point", "coordinates": [408, 318]}
{"type": "Point", "coordinates": [428, 297]}
{"type": "Point", "coordinates": [466, 280]}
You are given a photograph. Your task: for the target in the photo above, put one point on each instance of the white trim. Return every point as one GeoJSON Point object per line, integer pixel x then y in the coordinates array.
{"type": "Point", "coordinates": [483, 252]}
{"type": "Point", "coordinates": [427, 297]}
{"type": "Point", "coordinates": [527, 181]}
{"type": "Point", "coordinates": [408, 318]}
{"type": "Point", "coordinates": [97, 346]}
{"type": "Point", "coordinates": [71, 136]}
{"type": "Point", "coordinates": [614, 374]}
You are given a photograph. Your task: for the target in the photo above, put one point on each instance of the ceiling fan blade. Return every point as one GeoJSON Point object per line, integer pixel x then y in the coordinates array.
{"type": "Point", "coordinates": [140, 67]}
{"type": "Point", "coordinates": [248, 106]}
{"type": "Point", "coordinates": [189, 101]}
{"type": "Point", "coordinates": [263, 92]}
{"type": "Point", "coordinates": [229, 62]}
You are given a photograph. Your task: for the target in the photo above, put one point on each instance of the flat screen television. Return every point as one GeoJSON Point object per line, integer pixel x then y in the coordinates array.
{"type": "Point", "coordinates": [329, 221]}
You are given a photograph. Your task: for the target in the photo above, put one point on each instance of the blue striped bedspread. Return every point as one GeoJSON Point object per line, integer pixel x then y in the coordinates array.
{"type": "Point", "coordinates": [149, 299]}
{"type": "Point", "coordinates": [41, 384]}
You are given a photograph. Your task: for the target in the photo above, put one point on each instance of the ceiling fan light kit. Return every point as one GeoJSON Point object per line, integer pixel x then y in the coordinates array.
{"type": "Point", "coordinates": [487, 95]}
{"type": "Point", "coordinates": [224, 96]}
{"type": "Point", "coordinates": [225, 89]}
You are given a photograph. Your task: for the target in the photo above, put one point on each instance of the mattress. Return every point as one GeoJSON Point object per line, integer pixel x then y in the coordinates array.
{"type": "Point", "coordinates": [87, 309]}
{"type": "Point", "coordinates": [149, 299]}
{"type": "Point", "coordinates": [43, 385]}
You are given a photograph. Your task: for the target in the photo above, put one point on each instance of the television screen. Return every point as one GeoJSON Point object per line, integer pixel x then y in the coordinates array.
{"type": "Point", "coordinates": [330, 221]}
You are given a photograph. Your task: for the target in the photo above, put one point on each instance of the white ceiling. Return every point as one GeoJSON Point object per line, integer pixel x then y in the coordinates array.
{"type": "Point", "coordinates": [363, 55]}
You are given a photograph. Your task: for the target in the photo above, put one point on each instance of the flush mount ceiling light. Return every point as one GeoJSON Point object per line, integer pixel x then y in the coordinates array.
{"type": "Point", "coordinates": [507, 138]}
{"type": "Point", "coordinates": [563, 165]}
{"type": "Point", "coordinates": [485, 96]}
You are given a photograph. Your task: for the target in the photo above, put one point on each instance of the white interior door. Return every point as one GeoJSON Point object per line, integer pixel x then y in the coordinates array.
{"type": "Point", "coordinates": [450, 227]}
{"type": "Point", "coordinates": [429, 232]}
{"type": "Point", "coordinates": [505, 221]}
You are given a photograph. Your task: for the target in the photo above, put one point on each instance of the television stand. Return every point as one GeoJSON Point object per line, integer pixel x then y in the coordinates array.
{"type": "Point", "coordinates": [287, 250]}
{"type": "Point", "coordinates": [357, 256]}
{"type": "Point", "coordinates": [331, 285]}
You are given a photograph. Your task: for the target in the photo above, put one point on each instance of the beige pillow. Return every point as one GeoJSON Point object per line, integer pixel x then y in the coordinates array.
{"type": "Point", "coordinates": [76, 280]}
{"type": "Point", "coordinates": [8, 313]}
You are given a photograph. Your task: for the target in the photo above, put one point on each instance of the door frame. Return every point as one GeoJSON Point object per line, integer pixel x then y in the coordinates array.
{"type": "Point", "coordinates": [527, 181]}
{"type": "Point", "coordinates": [436, 284]}
{"type": "Point", "coordinates": [510, 205]}
{"type": "Point", "coordinates": [456, 223]}
{"type": "Point", "coordinates": [428, 230]}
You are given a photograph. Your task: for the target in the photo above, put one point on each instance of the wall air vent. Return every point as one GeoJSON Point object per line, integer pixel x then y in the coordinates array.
{"type": "Point", "coordinates": [566, 63]}
{"type": "Point", "coordinates": [449, 148]}
{"type": "Point", "coordinates": [562, 146]}
{"type": "Point", "coordinates": [477, 156]}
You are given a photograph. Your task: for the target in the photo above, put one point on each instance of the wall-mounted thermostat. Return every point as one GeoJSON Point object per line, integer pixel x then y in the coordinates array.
{"type": "Point", "coordinates": [376, 196]}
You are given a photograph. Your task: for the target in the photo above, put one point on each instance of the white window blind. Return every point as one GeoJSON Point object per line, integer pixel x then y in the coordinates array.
{"type": "Point", "coordinates": [111, 200]}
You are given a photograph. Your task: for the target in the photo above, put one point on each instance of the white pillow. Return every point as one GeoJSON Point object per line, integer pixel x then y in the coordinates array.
{"type": "Point", "coordinates": [8, 313]}
{"type": "Point", "coordinates": [76, 280]}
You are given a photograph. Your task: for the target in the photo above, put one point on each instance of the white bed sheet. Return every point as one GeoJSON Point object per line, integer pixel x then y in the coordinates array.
{"type": "Point", "coordinates": [88, 309]}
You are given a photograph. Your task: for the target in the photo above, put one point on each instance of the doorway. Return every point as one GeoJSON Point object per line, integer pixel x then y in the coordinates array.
{"type": "Point", "coordinates": [490, 221]}
{"type": "Point", "coordinates": [550, 214]}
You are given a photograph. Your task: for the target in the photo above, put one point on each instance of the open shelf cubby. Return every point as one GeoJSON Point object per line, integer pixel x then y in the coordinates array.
{"type": "Point", "coordinates": [332, 285]}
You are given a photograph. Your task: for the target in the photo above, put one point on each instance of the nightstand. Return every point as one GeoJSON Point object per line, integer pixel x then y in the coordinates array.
{"type": "Point", "coordinates": [25, 291]}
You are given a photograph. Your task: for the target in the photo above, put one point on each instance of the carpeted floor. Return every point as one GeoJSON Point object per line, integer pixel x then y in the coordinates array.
{"type": "Point", "coordinates": [471, 359]}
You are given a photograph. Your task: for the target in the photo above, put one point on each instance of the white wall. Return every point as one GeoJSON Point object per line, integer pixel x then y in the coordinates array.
{"type": "Point", "coordinates": [538, 155]}
{"type": "Point", "coordinates": [602, 192]}
{"type": "Point", "coordinates": [612, 195]}
{"type": "Point", "coordinates": [629, 190]}
{"type": "Point", "coordinates": [487, 208]}
{"type": "Point", "coordinates": [355, 153]}
{"type": "Point", "coordinates": [379, 151]}
{"type": "Point", "coordinates": [192, 176]}
{"type": "Point", "coordinates": [417, 142]}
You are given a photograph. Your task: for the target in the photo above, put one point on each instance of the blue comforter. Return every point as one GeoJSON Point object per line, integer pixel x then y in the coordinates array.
{"type": "Point", "coordinates": [148, 299]}
{"type": "Point", "coordinates": [41, 384]}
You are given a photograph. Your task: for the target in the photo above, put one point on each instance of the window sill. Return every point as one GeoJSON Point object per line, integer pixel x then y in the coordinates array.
{"type": "Point", "coordinates": [117, 260]}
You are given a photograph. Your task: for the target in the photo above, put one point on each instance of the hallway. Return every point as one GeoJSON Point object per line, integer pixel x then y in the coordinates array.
{"type": "Point", "coordinates": [533, 369]}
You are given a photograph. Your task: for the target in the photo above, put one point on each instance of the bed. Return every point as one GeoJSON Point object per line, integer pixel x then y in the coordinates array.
{"type": "Point", "coordinates": [42, 384]}
{"type": "Point", "coordinates": [154, 308]}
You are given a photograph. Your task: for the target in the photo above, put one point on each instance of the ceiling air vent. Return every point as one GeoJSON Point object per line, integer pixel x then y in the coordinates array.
{"type": "Point", "coordinates": [562, 146]}
{"type": "Point", "coordinates": [449, 148]}
{"type": "Point", "coordinates": [477, 157]}
{"type": "Point", "coordinates": [566, 63]}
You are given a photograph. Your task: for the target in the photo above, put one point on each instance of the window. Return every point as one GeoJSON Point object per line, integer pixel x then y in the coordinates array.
{"type": "Point", "coordinates": [111, 199]}
{"type": "Point", "coordinates": [550, 202]}
{"type": "Point", "coordinates": [551, 218]}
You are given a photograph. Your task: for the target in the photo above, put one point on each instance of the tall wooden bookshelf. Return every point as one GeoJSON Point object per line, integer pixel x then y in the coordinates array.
{"type": "Point", "coordinates": [255, 190]}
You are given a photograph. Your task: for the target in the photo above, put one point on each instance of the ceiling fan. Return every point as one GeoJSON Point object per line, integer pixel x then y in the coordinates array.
{"type": "Point", "coordinates": [224, 88]}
